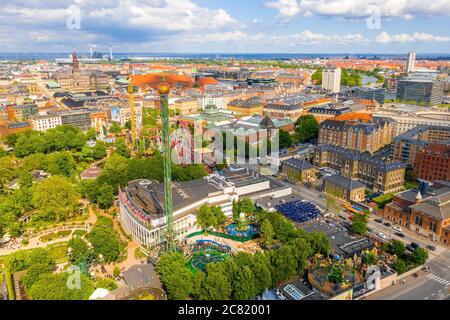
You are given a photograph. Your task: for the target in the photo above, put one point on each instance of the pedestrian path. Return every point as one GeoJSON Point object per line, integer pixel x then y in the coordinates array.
{"type": "Point", "coordinates": [439, 280]}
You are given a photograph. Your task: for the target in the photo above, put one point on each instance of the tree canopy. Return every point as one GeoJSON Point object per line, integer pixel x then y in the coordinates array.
{"type": "Point", "coordinates": [307, 128]}
{"type": "Point", "coordinates": [56, 199]}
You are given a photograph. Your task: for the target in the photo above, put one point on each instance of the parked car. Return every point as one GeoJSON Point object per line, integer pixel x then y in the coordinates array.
{"type": "Point", "coordinates": [415, 245]}
{"type": "Point", "coordinates": [397, 229]}
{"type": "Point", "coordinates": [387, 224]}
{"type": "Point", "coordinates": [379, 220]}
{"type": "Point", "coordinates": [399, 234]}
{"type": "Point", "coordinates": [431, 248]}
{"type": "Point", "coordinates": [382, 235]}
{"type": "Point", "coordinates": [412, 246]}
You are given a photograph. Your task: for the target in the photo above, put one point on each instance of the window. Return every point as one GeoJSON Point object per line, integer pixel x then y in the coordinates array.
{"type": "Point", "coordinates": [419, 220]}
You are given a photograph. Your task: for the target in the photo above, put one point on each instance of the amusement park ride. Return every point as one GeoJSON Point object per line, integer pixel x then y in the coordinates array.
{"type": "Point", "coordinates": [163, 90]}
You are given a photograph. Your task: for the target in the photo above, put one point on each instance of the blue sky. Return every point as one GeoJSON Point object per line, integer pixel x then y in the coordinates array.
{"type": "Point", "coordinates": [232, 26]}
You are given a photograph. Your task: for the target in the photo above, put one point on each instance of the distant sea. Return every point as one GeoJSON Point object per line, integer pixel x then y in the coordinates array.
{"type": "Point", "coordinates": [23, 56]}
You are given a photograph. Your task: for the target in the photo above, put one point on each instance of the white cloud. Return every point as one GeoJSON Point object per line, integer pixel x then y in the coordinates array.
{"type": "Point", "coordinates": [166, 15]}
{"type": "Point", "coordinates": [228, 36]}
{"type": "Point", "coordinates": [309, 37]}
{"type": "Point", "coordinates": [385, 37]}
{"type": "Point", "coordinates": [286, 8]}
{"type": "Point", "coordinates": [405, 9]}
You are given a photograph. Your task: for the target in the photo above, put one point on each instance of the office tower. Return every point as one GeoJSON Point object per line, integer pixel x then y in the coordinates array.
{"type": "Point", "coordinates": [410, 62]}
{"type": "Point", "coordinates": [331, 80]}
{"type": "Point", "coordinates": [422, 89]}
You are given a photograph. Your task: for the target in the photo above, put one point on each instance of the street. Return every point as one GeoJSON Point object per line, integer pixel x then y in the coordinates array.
{"type": "Point", "coordinates": [433, 285]}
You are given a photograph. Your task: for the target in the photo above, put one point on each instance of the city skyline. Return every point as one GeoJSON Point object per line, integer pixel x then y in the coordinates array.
{"type": "Point", "coordinates": [200, 26]}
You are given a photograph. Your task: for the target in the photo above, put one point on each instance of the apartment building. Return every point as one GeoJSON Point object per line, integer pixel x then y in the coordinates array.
{"type": "Point", "coordinates": [357, 135]}
{"type": "Point", "coordinates": [247, 107]}
{"type": "Point", "coordinates": [344, 188]}
{"type": "Point", "coordinates": [432, 162]}
{"type": "Point", "coordinates": [331, 80]}
{"type": "Point", "coordinates": [407, 145]}
{"type": "Point", "coordinates": [292, 111]}
{"type": "Point", "coordinates": [380, 175]}
{"type": "Point", "coordinates": [299, 171]}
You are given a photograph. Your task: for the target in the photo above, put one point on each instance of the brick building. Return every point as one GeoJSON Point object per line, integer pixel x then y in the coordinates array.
{"type": "Point", "coordinates": [380, 175]}
{"type": "Point", "coordinates": [432, 162]}
{"type": "Point", "coordinates": [408, 144]}
{"type": "Point", "coordinates": [364, 136]}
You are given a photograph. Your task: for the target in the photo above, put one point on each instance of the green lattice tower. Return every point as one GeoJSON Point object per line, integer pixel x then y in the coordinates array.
{"type": "Point", "coordinates": [163, 90]}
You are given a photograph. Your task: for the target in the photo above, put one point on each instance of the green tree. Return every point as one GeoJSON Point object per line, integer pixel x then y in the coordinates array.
{"type": "Point", "coordinates": [122, 149]}
{"type": "Point", "coordinates": [217, 285]}
{"type": "Point", "coordinates": [283, 266]}
{"type": "Point", "coordinates": [61, 163]}
{"type": "Point", "coordinates": [400, 266]}
{"type": "Point", "coordinates": [105, 242]}
{"type": "Point", "coordinates": [7, 171]}
{"type": "Point", "coordinates": [301, 250]}
{"type": "Point", "coordinates": [99, 150]}
{"type": "Point", "coordinates": [319, 243]}
{"type": "Point", "coordinates": [34, 273]}
{"type": "Point", "coordinates": [397, 247]}
{"type": "Point", "coordinates": [261, 272]}
{"type": "Point", "coordinates": [307, 128]}
{"type": "Point", "coordinates": [317, 77]}
{"type": "Point", "coordinates": [54, 287]}
{"type": "Point", "coordinates": [56, 199]}
{"type": "Point", "coordinates": [176, 278]}
{"type": "Point", "coordinates": [219, 217]}
{"type": "Point", "coordinates": [116, 272]}
{"type": "Point", "coordinates": [359, 224]}
{"type": "Point", "coordinates": [115, 128]}
{"type": "Point", "coordinates": [236, 211]}
{"type": "Point", "coordinates": [115, 172]}
{"type": "Point", "coordinates": [369, 259]}
{"type": "Point", "coordinates": [106, 283]}
{"type": "Point", "coordinates": [285, 139]}
{"type": "Point", "coordinates": [105, 196]}
{"type": "Point", "coordinates": [267, 232]}
{"type": "Point", "coordinates": [244, 287]}
{"type": "Point", "coordinates": [419, 256]}
{"type": "Point", "coordinates": [205, 218]}
{"type": "Point", "coordinates": [246, 206]}
{"type": "Point", "coordinates": [79, 249]}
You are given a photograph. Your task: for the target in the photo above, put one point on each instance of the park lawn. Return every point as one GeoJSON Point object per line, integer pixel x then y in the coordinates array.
{"type": "Point", "coordinates": [79, 232]}
{"type": "Point", "coordinates": [411, 185]}
{"type": "Point", "coordinates": [381, 201]}
{"type": "Point", "coordinates": [58, 252]}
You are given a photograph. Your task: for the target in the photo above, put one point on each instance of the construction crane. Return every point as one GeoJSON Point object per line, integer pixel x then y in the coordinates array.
{"type": "Point", "coordinates": [132, 114]}
{"type": "Point", "coordinates": [163, 90]}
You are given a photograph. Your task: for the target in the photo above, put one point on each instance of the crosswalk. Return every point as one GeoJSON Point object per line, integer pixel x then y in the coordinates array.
{"type": "Point", "coordinates": [440, 280]}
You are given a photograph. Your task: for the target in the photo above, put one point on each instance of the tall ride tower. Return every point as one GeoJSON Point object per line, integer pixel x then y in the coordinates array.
{"type": "Point", "coordinates": [164, 90]}
{"type": "Point", "coordinates": [132, 114]}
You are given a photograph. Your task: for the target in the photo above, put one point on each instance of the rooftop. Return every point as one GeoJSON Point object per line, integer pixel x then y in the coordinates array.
{"type": "Point", "coordinates": [298, 164]}
{"type": "Point", "coordinates": [385, 165]}
{"type": "Point", "coordinates": [344, 182]}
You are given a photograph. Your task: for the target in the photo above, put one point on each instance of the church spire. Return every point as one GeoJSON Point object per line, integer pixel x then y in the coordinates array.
{"type": "Point", "coordinates": [75, 62]}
